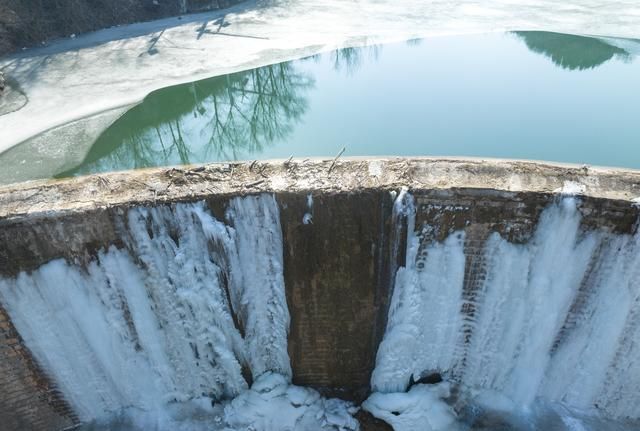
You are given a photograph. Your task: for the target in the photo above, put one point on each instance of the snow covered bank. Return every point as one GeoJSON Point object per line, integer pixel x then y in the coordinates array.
{"type": "Point", "coordinates": [115, 68]}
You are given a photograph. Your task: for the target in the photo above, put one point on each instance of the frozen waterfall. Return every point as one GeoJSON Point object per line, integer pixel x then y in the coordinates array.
{"type": "Point", "coordinates": [154, 322]}
{"type": "Point", "coordinates": [187, 315]}
{"type": "Point", "coordinates": [556, 318]}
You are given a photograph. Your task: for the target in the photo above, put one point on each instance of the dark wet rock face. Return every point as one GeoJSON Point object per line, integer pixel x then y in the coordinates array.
{"type": "Point", "coordinates": [427, 379]}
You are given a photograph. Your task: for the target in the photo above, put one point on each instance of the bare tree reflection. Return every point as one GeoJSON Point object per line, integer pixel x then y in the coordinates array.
{"type": "Point", "coordinates": [570, 51]}
{"type": "Point", "coordinates": [223, 118]}
{"type": "Point", "coordinates": [351, 59]}
{"type": "Point", "coordinates": [220, 118]}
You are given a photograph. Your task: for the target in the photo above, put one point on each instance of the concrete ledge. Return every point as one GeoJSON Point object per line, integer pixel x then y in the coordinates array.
{"type": "Point", "coordinates": [149, 186]}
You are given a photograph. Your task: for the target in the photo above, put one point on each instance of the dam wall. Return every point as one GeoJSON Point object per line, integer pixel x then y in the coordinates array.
{"type": "Point", "coordinates": [345, 241]}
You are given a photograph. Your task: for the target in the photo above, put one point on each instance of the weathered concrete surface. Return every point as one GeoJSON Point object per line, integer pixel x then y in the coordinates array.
{"type": "Point", "coordinates": [344, 248]}
{"type": "Point", "coordinates": [499, 178]}
{"type": "Point", "coordinates": [99, 72]}
{"type": "Point", "coordinates": [337, 268]}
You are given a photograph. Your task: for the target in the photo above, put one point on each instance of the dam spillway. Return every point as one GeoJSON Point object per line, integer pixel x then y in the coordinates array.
{"type": "Point", "coordinates": [155, 288]}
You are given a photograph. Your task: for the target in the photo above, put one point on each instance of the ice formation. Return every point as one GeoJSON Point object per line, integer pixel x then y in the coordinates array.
{"type": "Point", "coordinates": [272, 404]}
{"type": "Point", "coordinates": [422, 408]}
{"type": "Point", "coordinates": [308, 216]}
{"type": "Point", "coordinates": [173, 316]}
{"type": "Point", "coordinates": [555, 318]}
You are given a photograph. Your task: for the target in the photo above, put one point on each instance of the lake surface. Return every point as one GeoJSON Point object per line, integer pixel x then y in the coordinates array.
{"type": "Point", "coordinates": [524, 95]}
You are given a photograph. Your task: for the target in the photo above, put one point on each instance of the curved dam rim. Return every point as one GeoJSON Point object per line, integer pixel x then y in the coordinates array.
{"type": "Point", "coordinates": [43, 198]}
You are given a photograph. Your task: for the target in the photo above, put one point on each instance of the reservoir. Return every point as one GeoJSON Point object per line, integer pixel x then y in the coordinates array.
{"type": "Point", "coordinates": [522, 95]}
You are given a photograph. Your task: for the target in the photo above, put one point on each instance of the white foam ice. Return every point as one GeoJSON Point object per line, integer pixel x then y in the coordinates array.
{"type": "Point", "coordinates": [523, 303]}
{"type": "Point", "coordinates": [407, 348]}
{"type": "Point", "coordinates": [260, 282]}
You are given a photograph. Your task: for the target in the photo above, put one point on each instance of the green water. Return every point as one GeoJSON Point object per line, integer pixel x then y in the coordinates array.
{"type": "Point", "coordinates": [527, 95]}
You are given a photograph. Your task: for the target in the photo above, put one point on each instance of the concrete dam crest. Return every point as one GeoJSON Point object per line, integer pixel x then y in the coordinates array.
{"type": "Point", "coordinates": [238, 290]}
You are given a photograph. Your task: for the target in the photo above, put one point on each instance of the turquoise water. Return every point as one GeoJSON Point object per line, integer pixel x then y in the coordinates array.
{"type": "Point", "coordinates": [526, 95]}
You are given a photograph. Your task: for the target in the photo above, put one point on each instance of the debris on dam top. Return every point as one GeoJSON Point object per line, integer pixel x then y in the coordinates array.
{"type": "Point", "coordinates": [189, 183]}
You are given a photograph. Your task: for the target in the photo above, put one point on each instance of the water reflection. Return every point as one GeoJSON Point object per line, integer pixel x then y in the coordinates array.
{"type": "Point", "coordinates": [350, 60]}
{"type": "Point", "coordinates": [229, 117]}
{"type": "Point", "coordinates": [222, 118]}
{"type": "Point", "coordinates": [240, 116]}
{"type": "Point", "coordinates": [569, 51]}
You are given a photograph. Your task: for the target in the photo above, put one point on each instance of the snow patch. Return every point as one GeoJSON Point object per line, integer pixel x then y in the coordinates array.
{"type": "Point", "coordinates": [278, 182]}
{"type": "Point", "coordinates": [571, 188]}
{"type": "Point", "coordinates": [375, 168]}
